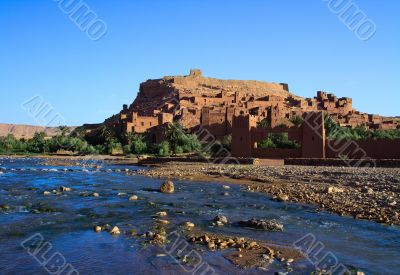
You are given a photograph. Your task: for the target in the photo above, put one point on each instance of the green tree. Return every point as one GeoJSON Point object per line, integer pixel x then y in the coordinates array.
{"type": "Point", "coordinates": [138, 145]}
{"type": "Point", "coordinates": [278, 140]}
{"type": "Point", "coordinates": [164, 149]}
{"type": "Point", "coordinates": [181, 142]}
{"type": "Point", "coordinates": [37, 144]}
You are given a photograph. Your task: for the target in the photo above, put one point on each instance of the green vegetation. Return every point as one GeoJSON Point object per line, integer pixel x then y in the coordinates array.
{"type": "Point", "coordinates": [136, 144]}
{"type": "Point", "coordinates": [40, 145]}
{"type": "Point", "coordinates": [278, 140]}
{"type": "Point", "coordinates": [297, 120]}
{"type": "Point", "coordinates": [181, 142]}
{"type": "Point", "coordinates": [263, 124]}
{"type": "Point", "coordinates": [221, 147]}
{"type": "Point", "coordinates": [335, 131]}
{"type": "Point", "coordinates": [104, 141]}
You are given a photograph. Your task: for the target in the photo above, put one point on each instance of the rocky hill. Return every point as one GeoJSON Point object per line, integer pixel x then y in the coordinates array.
{"type": "Point", "coordinates": [195, 100]}
{"type": "Point", "coordinates": [27, 131]}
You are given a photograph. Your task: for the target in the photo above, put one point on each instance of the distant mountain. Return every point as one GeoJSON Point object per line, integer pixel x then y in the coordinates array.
{"type": "Point", "coordinates": [27, 131]}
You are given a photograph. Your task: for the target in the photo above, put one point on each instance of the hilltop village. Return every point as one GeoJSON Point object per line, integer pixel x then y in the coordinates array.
{"type": "Point", "coordinates": [195, 100]}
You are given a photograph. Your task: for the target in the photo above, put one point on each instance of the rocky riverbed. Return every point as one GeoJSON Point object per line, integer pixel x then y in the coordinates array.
{"type": "Point", "coordinates": [363, 193]}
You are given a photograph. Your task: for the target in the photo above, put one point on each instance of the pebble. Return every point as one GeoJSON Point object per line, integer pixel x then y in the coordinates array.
{"type": "Point", "coordinates": [97, 228]}
{"type": "Point", "coordinates": [283, 197]}
{"type": "Point", "coordinates": [115, 231]}
{"type": "Point", "coordinates": [161, 214]}
{"type": "Point", "coordinates": [189, 225]}
{"type": "Point", "coordinates": [221, 219]}
{"type": "Point", "coordinates": [46, 193]}
{"type": "Point", "coordinates": [333, 189]}
{"type": "Point", "coordinates": [96, 194]}
{"type": "Point", "coordinates": [65, 189]}
{"type": "Point", "coordinates": [133, 198]}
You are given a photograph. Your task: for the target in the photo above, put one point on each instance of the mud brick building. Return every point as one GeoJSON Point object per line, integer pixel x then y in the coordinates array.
{"type": "Point", "coordinates": [312, 140]}
{"type": "Point", "coordinates": [195, 100]}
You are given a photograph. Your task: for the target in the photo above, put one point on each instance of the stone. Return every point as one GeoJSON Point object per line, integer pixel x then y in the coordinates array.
{"type": "Point", "coordinates": [163, 221]}
{"type": "Point", "coordinates": [368, 190]}
{"type": "Point", "coordinates": [150, 234]}
{"type": "Point", "coordinates": [167, 187]}
{"type": "Point", "coordinates": [226, 187]}
{"type": "Point", "coordinates": [283, 197]}
{"type": "Point", "coordinates": [221, 219]}
{"type": "Point", "coordinates": [333, 190]}
{"type": "Point", "coordinates": [97, 228]}
{"type": "Point", "coordinates": [133, 232]}
{"type": "Point", "coordinates": [189, 225]}
{"type": "Point", "coordinates": [96, 194]}
{"type": "Point", "coordinates": [133, 198]}
{"type": "Point", "coordinates": [106, 227]}
{"type": "Point", "coordinates": [161, 214]}
{"type": "Point", "coordinates": [46, 193]}
{"type": "Point", "coordinates": [159, 238]}
{"type": "Point", "coordinates": [4, 207]}
{"type": "Point", "coordinates": [65, 189]}
{"type": "Point", "coordinates": [268, 225]}
{"type": "Point", "coordinates": [115, 231]}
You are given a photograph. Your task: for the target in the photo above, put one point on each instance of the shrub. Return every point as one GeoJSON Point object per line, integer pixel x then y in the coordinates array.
{"type": "Point", "coordinates": [181, 142]}
{"type": "Point", "coordinates": [126, 149]}
{"type": "Point", "coordinates": [297, 120]}
{"type": "Point", "coordinates": [138, 147]}
{"type": "Point", "coordinates": [279, 140]}
{"type": "Point", "coordinates": [263, 124]}
{"type": "Point", "coordinates": [163, 149]}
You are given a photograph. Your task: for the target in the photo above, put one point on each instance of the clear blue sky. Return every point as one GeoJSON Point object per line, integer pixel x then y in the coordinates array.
{"type": "Point", "coordinates": [298, 42]}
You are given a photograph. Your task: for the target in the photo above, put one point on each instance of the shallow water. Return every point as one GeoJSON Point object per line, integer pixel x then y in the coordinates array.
{"type": "Point", "coordinates": [66, 221]}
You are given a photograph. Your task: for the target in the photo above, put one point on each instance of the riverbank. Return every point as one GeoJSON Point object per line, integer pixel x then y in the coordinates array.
{"type": "Point", "coordinates": [363, 193]}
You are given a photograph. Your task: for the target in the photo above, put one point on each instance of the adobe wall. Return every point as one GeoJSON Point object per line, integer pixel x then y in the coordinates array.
{"type": "Point", "coordinates": [241, 136]}
{"type": "Point", "coordinates": [311, 137]}
{"type": "Point", "coordinates": [361, 149]}
{"type": "Point", "coordinates": [276, 153]}
{"type": "Point", "coordinates": [313, 142]}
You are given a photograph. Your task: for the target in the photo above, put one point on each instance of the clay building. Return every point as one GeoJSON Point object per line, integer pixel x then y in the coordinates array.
{"type": "Point", "coordinates": [197, 101]}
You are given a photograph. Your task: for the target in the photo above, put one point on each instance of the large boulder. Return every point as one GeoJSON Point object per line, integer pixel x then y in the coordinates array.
{"type": "Point", "coordinates": [268, 225]}
{"type": "Point", "coordinates": [167, 187]}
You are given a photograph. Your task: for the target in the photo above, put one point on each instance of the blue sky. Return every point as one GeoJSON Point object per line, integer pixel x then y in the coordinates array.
{"type": "Point", "coordinates": [42, 52]}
